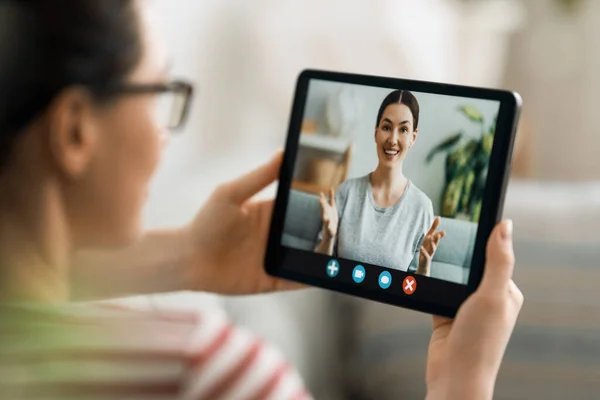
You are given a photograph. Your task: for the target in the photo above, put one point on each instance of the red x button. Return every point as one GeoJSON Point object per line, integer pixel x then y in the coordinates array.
{"type": "Point", "coordinates": [409, 285]}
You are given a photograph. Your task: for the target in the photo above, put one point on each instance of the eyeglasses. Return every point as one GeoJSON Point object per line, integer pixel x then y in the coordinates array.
{"type": "Point", "coordinates": [172, 103]}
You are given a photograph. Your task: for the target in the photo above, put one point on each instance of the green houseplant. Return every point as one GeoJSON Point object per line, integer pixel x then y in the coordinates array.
{"type": "Point", "coordinates": [467, 161]}
{"type": "Point", "coordinates": [569, 6]}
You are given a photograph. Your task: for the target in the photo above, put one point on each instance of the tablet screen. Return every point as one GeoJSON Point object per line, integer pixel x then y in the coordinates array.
{"type": "Point", "coordinates": [390, 188]}
{"type": "Point", "coordinates": [390, 180]}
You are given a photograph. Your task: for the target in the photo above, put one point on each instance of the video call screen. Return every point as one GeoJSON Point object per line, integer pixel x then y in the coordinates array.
{"type": "Point", "coordinates": [390, 179]}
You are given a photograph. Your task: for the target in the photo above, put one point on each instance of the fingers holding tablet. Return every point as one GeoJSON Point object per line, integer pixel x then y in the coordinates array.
{"type": "Point", "coordinates": [500, 263]}
{"type": "Point", "coordinates": [458, 357]}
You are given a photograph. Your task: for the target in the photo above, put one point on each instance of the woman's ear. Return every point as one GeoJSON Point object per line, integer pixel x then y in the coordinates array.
{"type": "Point", "coordinates": [71, 131]}
{"type": "Point", "coordinates": [414, 137]}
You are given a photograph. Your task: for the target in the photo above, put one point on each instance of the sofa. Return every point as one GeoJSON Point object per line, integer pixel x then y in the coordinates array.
{"type": "Point", "coordinates": [451, 261]}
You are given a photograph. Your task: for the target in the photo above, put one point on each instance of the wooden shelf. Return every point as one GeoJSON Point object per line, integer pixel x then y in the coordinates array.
{"type": "Point", "coordinates": [309, 187]}
{"type": "Point", "coordinates": [326, 143]}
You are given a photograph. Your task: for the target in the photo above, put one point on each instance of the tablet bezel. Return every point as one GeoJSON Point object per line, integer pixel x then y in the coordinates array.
{"type": "Point", "coordinates": [449, 296]}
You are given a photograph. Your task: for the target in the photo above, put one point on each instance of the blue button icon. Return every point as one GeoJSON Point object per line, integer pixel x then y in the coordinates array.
{"type": "Point", "coordinates": [385, 280]}
{"type": "Point", "coordinates": [358, 275]}
{"type": "Point", "coordinates": [333, 268]}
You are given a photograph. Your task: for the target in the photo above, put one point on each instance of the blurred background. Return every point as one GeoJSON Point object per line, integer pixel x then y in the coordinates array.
{"type": "Point", "coordinates": [245, 56]}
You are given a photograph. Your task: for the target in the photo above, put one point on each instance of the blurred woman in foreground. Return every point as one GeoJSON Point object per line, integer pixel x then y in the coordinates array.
{"type": "Point", "coordinates": [84, 86]}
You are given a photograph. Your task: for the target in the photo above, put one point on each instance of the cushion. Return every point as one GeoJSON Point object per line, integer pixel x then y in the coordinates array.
{"type": "Point", "coordinates": [457, 246]}
{"type": "Point", "coordinates": [449, 272]}
{"type": "Point", "coordinates": [297, 242]}
{"type": "Point", "coordinates": [303, 218]}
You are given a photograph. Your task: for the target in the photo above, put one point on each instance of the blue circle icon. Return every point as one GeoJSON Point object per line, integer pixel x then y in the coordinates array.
{"type": "Point", "coordinates": [385, 280]}
{"type": "Point", "coordinates": [358, 274]}
{"type": "Point", "coordinates": [333, 268]}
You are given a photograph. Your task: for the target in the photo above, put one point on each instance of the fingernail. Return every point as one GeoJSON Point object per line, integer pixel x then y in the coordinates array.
{"type": "Point", "coordinates": [506, 230]}
{"type": "Point", "coordinates": [278, 154]}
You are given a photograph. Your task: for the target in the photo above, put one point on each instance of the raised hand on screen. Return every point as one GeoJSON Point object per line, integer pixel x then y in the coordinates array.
{"type": "Point", "coordinates": [329, 215]}
{"type": "Point", "coordinates": [429, 247]}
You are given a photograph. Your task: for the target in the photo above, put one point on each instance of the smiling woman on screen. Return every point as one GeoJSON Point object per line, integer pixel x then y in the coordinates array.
{"type": "Point", "coordinates": [382, 218]}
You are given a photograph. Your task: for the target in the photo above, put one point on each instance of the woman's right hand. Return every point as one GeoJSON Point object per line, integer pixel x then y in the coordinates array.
{"type": "Point", "coordinates": [465, 353]}
{"type": "Point", "coordinates": [329, 215]}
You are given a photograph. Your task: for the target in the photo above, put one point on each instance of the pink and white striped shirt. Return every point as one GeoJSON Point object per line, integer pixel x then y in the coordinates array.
{"type": "Point", "coordinates": [109, 352]}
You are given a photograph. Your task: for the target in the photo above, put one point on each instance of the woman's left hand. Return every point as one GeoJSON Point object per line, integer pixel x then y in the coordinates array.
{"type": "Point", "coordinates": [465, 354]}
{"type": "Point", "coordinates": [228, 237]}
{"type": "Point", "coordinates": [429, 247]}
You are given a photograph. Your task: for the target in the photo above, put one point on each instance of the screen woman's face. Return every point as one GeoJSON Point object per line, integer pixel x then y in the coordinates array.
{"type": "Point", "coordinates": [394, 135]}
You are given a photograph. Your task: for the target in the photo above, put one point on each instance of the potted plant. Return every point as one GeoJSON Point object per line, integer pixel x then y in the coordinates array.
{"type": "Point", "coordinates": [467, 161]}
{"type": "Point", "coordinates": [569, 5]}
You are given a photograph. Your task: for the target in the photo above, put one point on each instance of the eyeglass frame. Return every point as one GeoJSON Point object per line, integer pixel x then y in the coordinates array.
{"type": "Point", "coordinates": [176, 86]}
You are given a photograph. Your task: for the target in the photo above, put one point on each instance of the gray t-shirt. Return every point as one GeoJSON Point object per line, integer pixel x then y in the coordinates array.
{"type": "Point", "coordinates": [386, 236]}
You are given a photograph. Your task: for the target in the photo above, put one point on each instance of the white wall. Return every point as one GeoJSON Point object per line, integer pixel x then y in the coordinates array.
{"type": "Point", "coordinates": [439, 118]}
{"type": "Point", "coordinates": [555, 64]}
{"type": "Point", "coordinates": [244, 58]}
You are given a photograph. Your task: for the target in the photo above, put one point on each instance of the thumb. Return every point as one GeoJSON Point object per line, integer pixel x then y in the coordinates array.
{"type": "Point", "coordinates": [500, 259]}
{"type": "Point", "coordinates": [246, 186]}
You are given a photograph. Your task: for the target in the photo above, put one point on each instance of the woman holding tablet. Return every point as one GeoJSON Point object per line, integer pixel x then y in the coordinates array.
{"type": "Point", "coordinates": [382, 218]}
{"type": "Point", "coordinates": [79, 142]}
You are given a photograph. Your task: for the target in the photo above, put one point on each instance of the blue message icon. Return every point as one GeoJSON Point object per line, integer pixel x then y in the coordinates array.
{"type": "Point", "coordinates": [385, 280]}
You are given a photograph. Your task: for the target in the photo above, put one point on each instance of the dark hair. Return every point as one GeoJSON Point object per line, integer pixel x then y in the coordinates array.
{"type": "Point", "coordinates": [400, 97]}
{"type": "Point", "coordinates": [49, 45]}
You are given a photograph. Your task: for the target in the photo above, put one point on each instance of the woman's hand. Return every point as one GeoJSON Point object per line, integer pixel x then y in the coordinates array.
{"type": "Point", "coordinates": [329, 215]}
{"type": "Point", "coordinates": [428, 248]}
{"type": "Point", "coordinates": [228, 237]}
{"type": "Point", "coordinates": [465, 354]}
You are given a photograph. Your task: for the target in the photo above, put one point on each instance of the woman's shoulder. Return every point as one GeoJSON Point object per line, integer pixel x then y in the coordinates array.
{"type": "Point", "coordinates": [356, 183]}
{"type": "Point", "coordinates": [419, 197]}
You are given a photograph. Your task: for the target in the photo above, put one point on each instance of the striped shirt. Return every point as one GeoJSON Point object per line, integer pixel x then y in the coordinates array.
{"type": "Point", "coordinates": [110, 352]}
